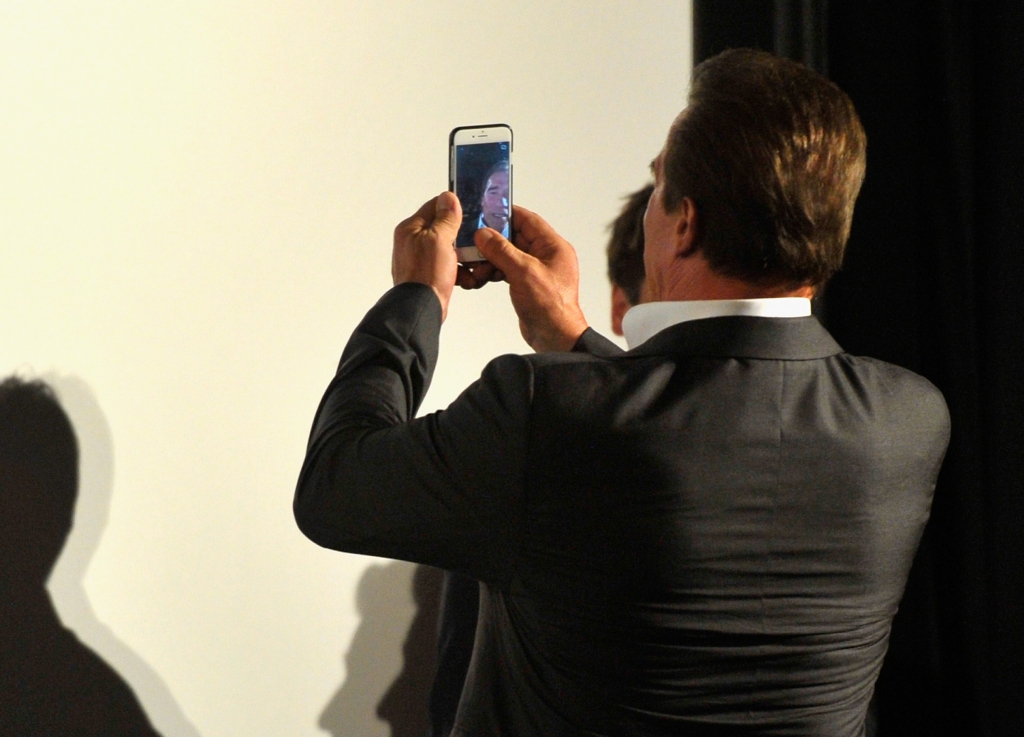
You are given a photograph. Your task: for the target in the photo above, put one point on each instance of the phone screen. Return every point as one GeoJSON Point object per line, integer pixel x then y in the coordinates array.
{"type": "Point", "coordinates": [482, 184]}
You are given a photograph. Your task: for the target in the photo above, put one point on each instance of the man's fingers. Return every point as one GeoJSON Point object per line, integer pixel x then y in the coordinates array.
{"type": "Point", "coordinates": [441, 214]}
{"type": "Point", "coordinates": [471, 278]}
{"type": "Point", "coordinates": [418, 220]}
{"type": "Point", "coordinates": [503, 255]}
{"type": "Point", "coordinates": [424, 217]}
{"type": "Point", "coordinates": [484, 271]}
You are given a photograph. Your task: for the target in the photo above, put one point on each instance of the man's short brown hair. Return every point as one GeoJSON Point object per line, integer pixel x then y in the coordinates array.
{"type": "Point", "coordinates": [626, 245]}
{"type": "Point", "coordinates": [773, 155]}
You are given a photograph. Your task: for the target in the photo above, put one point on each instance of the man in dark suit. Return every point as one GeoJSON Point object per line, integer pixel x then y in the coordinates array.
{"type": "Point", "coordinates": [708, 534]}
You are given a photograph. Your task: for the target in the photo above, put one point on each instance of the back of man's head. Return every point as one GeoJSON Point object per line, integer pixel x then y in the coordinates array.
{"type": "Point", "coordinates": [626, 245]}
{"type": "Point", "coordinates": [773, 155]}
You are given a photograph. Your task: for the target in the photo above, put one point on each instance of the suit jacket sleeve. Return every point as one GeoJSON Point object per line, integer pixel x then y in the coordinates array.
{"type": "Point", "coordinates": [444, 490]}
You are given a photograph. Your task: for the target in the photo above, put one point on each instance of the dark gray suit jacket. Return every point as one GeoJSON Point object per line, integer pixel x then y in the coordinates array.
{"type": "Point", "coordinates": [708, 534]}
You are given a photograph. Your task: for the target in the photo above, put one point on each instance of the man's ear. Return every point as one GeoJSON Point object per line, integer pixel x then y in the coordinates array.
{"type": "Point", "coordinates": [687, 228]}
{"type": "Point", "coordinates": [620, 305]}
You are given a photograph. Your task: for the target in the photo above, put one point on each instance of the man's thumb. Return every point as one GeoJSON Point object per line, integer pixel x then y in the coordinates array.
{"type": "Point", "coordinates": [496, 249]}
{"type": "Point", "coordinates": [448, 211]}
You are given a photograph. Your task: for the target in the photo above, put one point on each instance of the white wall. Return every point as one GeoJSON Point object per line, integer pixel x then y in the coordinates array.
{"type": "Point", "coordinates": [196, 206]}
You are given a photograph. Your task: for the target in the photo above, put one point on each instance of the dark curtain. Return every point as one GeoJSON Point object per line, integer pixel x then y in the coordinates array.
{"type": "Point", "coordinates": [934, 281]}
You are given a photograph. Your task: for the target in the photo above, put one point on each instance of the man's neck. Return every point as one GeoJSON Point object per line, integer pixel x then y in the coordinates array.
{"type": "Point", "coordinates": [694, 279]}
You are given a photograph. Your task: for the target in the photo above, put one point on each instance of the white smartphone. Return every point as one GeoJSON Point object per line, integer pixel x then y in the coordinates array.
{"type": "Point", "coordinates": [480, 175]}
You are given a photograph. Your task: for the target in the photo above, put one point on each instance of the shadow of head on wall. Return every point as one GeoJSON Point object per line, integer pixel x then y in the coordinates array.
{"type": "Point", "coordinates": [390, 663]}
{"type": "Point", "coordinates": [50, 682]}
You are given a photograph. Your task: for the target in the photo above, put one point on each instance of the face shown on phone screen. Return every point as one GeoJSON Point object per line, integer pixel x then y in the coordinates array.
{"type": "Point", "coordinates": [494, 205]}
{"type": "Point", "coordinates": [482, 183]}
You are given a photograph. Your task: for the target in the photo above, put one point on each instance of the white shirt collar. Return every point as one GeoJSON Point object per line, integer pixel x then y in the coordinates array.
{"type": "Point", "coordinates": [643, 321]}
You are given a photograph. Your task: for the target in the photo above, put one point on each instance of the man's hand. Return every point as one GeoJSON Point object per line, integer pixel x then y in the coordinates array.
{"type": "Point", "coordinates": [476, 274]}
{"type": "Point", "coordinates": [423, 250]}
{"type": "Point", "coordinates": [543, 277]}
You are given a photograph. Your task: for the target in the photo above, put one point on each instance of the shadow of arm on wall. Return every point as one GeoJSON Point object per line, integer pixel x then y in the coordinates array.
{"type": "Point", "coordinates": [398, 606]}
